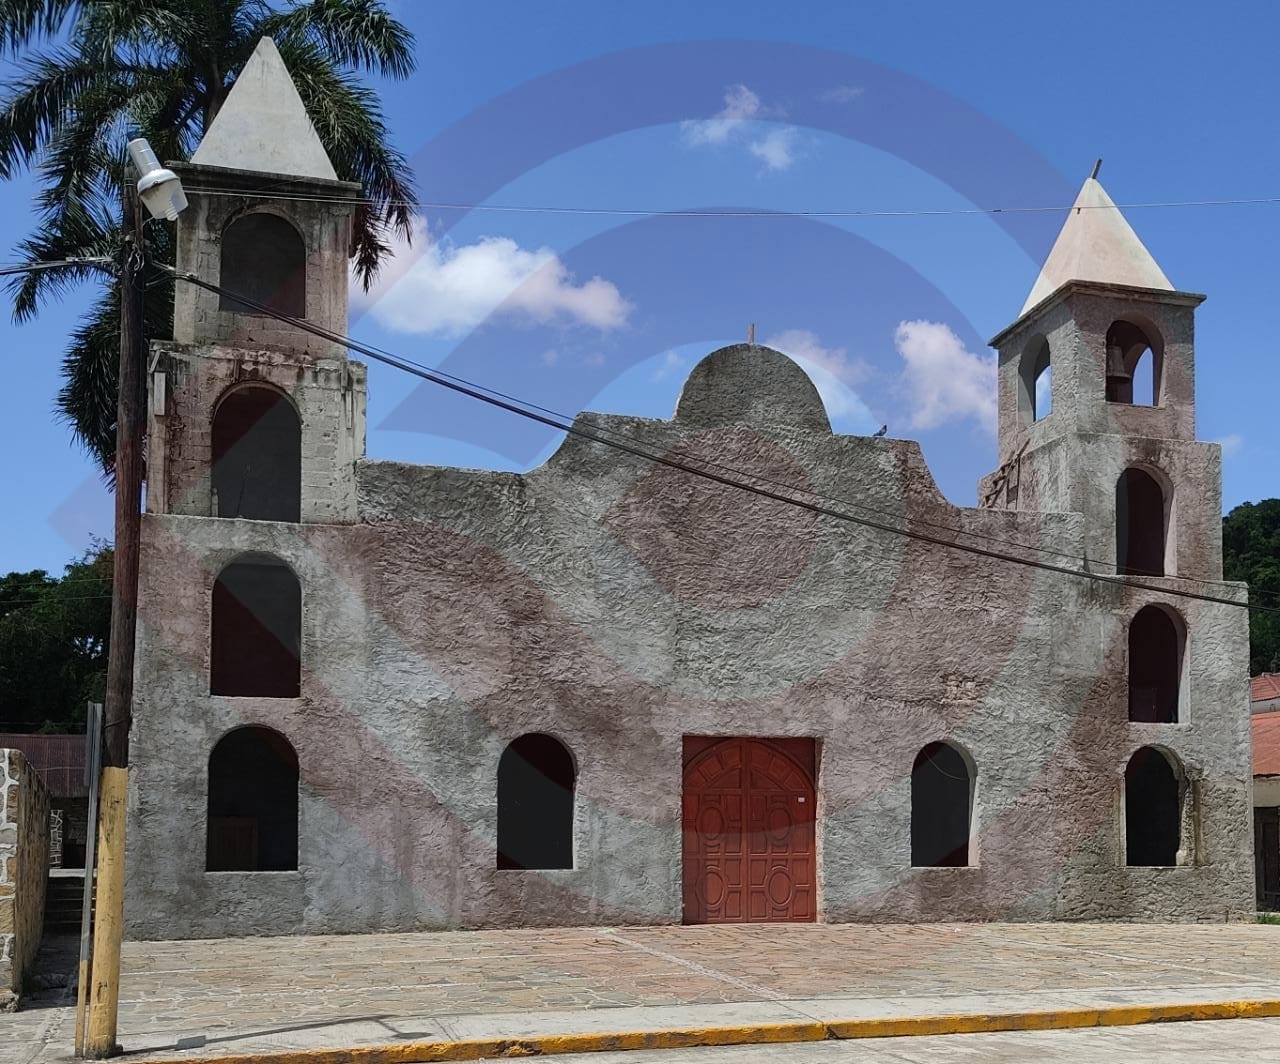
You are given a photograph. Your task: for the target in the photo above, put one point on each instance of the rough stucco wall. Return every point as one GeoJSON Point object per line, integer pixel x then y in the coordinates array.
{"type": "Point", "coordinates": [621, 606]}
{"type": "Point", "coordinates": [24, 869]}
{"type": "Point", "coordinates": [328, 394]}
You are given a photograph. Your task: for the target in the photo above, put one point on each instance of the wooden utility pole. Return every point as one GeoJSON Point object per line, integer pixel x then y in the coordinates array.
{"type": "Point", "coordinates": [104, 993]}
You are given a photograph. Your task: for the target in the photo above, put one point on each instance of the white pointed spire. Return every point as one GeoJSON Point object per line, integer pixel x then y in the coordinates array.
{"type": "Point", "coordinates": [1096, 244]}
{"type": "Point", "coordinates": [262, 124]}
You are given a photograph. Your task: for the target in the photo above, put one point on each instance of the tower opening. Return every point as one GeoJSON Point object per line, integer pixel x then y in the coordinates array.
{"type": "Point", "coordinates": [257, 456]}
{"type": "Point", "coordinates": [1141, 527]}
{"type": "Point", "coordinates": [252, 817]}
{"type": "Point", "coordinates": [1155, 666]}
{"type": "Point", "coordinates": [256, 629]}
{"type": "Point", "coordinates": [1133, 365]}
{"type": "Point", "coordinates": [1152, 810]}
{"type": "Point", "coordinates": [263, 259]}
{"type": "Point", "coordinates": [1036, 371]}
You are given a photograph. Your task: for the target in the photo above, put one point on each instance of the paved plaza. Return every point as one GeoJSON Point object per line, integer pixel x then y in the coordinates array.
{"type": "Point", "coordinates": [210, 998]}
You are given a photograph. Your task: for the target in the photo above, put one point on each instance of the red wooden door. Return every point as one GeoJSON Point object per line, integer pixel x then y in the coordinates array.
{"type": "Point", "coordinates": [748, 835]}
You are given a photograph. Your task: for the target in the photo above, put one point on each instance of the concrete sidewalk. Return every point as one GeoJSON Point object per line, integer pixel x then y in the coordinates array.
{"type": "Point", "coordinates": [212, 998]}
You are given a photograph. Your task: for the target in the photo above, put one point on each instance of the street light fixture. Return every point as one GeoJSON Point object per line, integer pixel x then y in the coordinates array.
{"type": "Point", "coordinates": [160, 189]}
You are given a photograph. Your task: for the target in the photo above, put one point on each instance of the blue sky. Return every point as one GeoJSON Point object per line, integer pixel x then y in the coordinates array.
{"type": "Point", "coordinates": [660, 106]}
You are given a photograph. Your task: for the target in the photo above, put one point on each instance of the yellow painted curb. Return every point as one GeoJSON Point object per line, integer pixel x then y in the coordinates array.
{"type": "Point", "coordinates": [744, 1034]}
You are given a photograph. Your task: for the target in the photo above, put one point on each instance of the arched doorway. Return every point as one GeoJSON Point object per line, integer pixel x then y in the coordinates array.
{"type": "Point", "coordinates": [748, 826]}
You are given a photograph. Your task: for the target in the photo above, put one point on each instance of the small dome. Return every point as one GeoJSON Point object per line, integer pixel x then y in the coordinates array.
{"type": "Point", "coordinates": [746, 384]}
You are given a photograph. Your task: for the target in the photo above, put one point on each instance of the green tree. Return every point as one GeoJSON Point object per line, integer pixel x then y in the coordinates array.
{"type": "Point", "coordinates": [91, 72]}
{"type": "Point", "coordinates": [1251, 552]}
{"type": "Point", "coordinates": [53, 644]}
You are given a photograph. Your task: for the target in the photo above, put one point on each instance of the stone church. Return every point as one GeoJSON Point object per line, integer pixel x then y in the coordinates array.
{"type": "Point", "coordinates": [373, 695]}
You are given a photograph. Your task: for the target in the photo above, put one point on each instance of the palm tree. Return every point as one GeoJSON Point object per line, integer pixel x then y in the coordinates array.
{"type": "Point", "coordinates": [91, 72]}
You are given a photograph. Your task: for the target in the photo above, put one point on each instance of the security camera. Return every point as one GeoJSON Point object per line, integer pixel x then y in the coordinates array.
{"type": "Point", "coordinates": [159, 188]}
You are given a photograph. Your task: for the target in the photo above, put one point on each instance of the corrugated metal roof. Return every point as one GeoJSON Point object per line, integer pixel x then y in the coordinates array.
{"type": "Point", "coordinates": [59, 759]}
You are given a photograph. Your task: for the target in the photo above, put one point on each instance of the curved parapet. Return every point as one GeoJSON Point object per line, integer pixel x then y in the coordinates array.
{"type": "Point", "coordinates": [747, 384]}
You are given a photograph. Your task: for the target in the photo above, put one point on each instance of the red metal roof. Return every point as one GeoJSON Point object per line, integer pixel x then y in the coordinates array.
{"type": "Point", "coordinates": [1266, 744]}
{"type": "Point", "coordinates": [59, 759]}
{"type": "Point", "coordinates": [1265, 687]}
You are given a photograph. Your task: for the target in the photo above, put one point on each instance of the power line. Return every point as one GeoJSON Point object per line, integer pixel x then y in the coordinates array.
{"type": "Point", "coordinates": [633, 212]}
{"type": "Point", "coordinates": [512, 406]}
{"type": "Point", "coordinates": [37, 267]}
{"type": "Point", "coordinates": [790, 486]}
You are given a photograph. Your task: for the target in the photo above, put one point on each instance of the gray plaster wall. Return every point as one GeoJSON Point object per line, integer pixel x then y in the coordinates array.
{"type": "Point", "coordinates": [620, 606]}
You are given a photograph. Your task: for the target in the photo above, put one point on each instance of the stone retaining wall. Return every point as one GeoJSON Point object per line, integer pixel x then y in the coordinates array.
{"type": "Point", "coordinates": [24, 870]}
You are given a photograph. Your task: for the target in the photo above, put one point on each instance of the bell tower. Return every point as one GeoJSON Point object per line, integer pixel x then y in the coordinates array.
{"type": "Point", "coordinates": [1097, 403]}
{"type": "Point", "coordinates": [250, 416]}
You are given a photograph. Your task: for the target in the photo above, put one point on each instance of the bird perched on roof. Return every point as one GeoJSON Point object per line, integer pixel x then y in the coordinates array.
{"type": "Point", "coordinates": [881, 431]}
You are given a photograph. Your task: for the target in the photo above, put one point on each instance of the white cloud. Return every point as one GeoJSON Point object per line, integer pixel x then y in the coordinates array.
{"type": "Point", "coordinates": [942, 380]}
{"type": "Point", "coordinates": [550, 358]}
{"type": "Point", "coordinates": [739, 121]}
{"type": "Point", "coordinates": [841, 94]}
{"type": "Point", "coordinates": [672, 363]}
{"type": "Point", "coordinates": [1231, 444]}
{"type": "Point", "coordinates": [776, 149]}
{"type": "Point", "coordinates": [833, 373]}
{"type": "Point", "coordinates": [740, 104]}
{"type": "Point", "coordinates": [448, 290]}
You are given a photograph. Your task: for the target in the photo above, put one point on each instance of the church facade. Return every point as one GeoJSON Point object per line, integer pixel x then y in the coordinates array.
{"type": "Point", "coordinates": [379, 696]}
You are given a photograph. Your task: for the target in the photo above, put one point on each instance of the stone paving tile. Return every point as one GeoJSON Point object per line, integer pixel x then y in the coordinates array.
{"type": "Point", "coordinates": [234, 987]}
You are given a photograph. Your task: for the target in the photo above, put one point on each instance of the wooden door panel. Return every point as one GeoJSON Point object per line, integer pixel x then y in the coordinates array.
{"type": "Point", "coordinates": [749, 851]}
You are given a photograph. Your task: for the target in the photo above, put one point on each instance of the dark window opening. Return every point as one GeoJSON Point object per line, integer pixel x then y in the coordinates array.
{"type": "Point", "coordinates": [941, 799]}
{"type": "Point", "coordinates": [256, 629]}
{"type": "Point", "coordinates": [253, 803]}
{"type": "Point", "coordinates": [535, 804]}
{"type": "Point", "coordinates": [1266, 857]}
{"type": "Point", "coordinates": [1152, 810]}
{"type": "Point", "coordinates": [1155, 667]}
{"type": "Point", "coordinates": [257, 456]}
{"type": "Point", "coordinates": [1140, 524]}
{"type": "Point", "coordinates": [265, 260]}
{"type": "Point", "coordinates": [1133, 365]}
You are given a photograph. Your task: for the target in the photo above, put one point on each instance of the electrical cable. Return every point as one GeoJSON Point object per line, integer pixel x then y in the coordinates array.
{"type": "Point", "coordinates": [664, 459]}
{"type": "Point", "coordinates": [502, 208]}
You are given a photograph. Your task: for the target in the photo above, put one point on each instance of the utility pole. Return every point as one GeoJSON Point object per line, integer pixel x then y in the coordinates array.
{"type": "Point", "coordinates": [104, 992]}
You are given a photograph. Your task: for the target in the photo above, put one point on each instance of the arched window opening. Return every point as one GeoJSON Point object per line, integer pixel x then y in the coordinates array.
{"type": "Point", "coordinates": [1133, 365]}
{"type": "Point", "coordinates": [253, 803]}
{"type": "Point", "coordinates": [1155, 666]}
{"type": "Point", "coordinates": [256, 629]}
{"type": "Point", "coordinates": [265, 260]}
{"type": "Point", "coordinates": [1036, 370]}
{"type": "Point", "coordinates": [1140, 524]}
{"type": "Point", "coordinates": [941, 807]}
{"type": "Point", "coordinates": [1152, 810]}
{"type": "Point", "coordinates": [257, 456]}
{"type": "Point", "coordinates": [535, 804]}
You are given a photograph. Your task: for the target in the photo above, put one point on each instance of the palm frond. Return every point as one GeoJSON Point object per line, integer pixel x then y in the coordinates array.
{"type": "Point", "coordinates": [350, 125]}
{"type": "Point", "coordinates": [46, 96]}
{"type": "Point", "coordinates": [25, 21]}
{"type": "Point", "coordinates": [360, 34]}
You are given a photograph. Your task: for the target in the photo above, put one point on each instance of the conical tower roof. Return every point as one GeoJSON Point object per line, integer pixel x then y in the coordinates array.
{"type": "Point", "coordinates": [1096, 244]}
{"type": "Point", "coordinates": [263, 126]}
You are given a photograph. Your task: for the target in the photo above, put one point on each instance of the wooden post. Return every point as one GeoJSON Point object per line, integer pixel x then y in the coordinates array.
{"type": "Point", "coordinates": [93, 777]}
{"type": "Point", "coordinates": [104, 992]}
